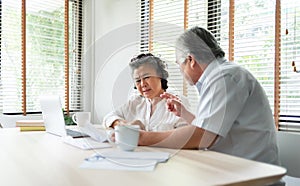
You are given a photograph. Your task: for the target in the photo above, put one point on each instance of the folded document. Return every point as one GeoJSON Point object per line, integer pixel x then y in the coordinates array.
{"type": "Point", "coordinates": [85, 143]}
{"type": "Point", "coordinates": [123, 160]}
{"type": "Point", "coordinates": [120, 164]}
{"type": "Point", "coordinates": [93, 132]}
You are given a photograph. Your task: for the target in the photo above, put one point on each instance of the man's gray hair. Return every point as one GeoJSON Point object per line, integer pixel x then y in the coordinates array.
{"type": "Point", "coordinates": [200, 43]}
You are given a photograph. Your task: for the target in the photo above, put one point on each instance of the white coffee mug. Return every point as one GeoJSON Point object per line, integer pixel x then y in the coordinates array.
{"type": "Point", "coordinates": [81, 118]}
{"type": "Point", "coordinates": [126, 136]}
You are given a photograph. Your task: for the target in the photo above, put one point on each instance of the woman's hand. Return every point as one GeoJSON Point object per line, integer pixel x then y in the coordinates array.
{"type": "Point", "coordinates": [118, 122]}
{"type": "Point", "coordinates": [137, 122]}
{"type": "Point", "coordinates": [124, 122]}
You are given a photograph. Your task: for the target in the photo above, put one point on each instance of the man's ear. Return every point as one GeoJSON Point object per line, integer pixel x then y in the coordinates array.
{"type": "Point", "coordinates": [192, 61]}
{"type": "Point", "coordinates": [194, 64]}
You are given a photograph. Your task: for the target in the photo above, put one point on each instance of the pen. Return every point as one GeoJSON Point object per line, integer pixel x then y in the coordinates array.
{"type": "Point", "coordinates": [94, 158]}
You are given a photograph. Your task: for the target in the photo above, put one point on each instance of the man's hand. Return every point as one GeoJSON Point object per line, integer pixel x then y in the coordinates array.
{"type": "Point", "coordinates": [174, 105]}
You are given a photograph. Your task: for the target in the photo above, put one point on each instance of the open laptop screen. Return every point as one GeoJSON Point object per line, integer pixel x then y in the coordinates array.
{"type": "Point", "coordinates": [53, 115]}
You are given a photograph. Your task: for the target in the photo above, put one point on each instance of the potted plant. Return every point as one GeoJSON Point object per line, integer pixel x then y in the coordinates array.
{"type": "Point", "coordinates": [68, 119]}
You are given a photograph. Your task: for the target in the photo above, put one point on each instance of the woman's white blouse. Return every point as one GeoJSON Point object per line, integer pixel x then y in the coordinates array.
{"type": "Point", "coordinates": [139, 108]}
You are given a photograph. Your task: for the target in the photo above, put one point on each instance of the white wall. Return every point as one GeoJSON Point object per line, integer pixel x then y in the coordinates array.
{"type": "Point", "coordinates": [111, 42]}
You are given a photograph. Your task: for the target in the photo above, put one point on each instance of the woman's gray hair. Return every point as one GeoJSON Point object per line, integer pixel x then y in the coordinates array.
{"type": "Point", "coordinates": [200, 43]}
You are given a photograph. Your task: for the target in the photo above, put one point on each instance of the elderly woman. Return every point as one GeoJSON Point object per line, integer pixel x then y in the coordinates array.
{"type": "Point", "coordinates": [148, 110]}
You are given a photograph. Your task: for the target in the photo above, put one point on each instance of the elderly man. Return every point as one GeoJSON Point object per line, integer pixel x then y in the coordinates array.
{"type": "Point", "coordinates": [233, 115]}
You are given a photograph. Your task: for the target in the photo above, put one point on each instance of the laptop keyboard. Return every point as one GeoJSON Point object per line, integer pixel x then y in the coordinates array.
{"type": "Point", "coordinates": [76, 134]}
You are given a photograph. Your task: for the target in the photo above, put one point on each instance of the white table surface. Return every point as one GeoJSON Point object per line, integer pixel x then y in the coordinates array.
{"type": "Point", "coordinates": [38, 158]}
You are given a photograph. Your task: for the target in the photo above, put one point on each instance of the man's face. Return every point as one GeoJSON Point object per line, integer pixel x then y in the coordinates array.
{"type": "Point", "coordinates": [186, 71]}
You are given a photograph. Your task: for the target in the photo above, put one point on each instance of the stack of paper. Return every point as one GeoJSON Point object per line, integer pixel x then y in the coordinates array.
{"type": "Point", "coordinates": [123, 160]}
{"type": "Point", "coordinates": [30, 125]}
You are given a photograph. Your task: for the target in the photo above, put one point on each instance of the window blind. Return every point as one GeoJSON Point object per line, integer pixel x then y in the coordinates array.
{"type": "Point", "coordinates": [164, 28]}
{"type": "Point", "coordinates": [10, 56]}
{"type": "Point", "coordinates": [259, 35]}
{"type": "Point", "coordinates": [254, 41]}
{"type": "Point", "coordinates": [144, 9]}
{"type": "Point", "coordinates": [290, 80]}
{"type": "Point", "coordinates": [163, 24]}
{"type": "Point", "coordinates": [42, 61]}
{"type": "Point", "coordinates": [76, 43]}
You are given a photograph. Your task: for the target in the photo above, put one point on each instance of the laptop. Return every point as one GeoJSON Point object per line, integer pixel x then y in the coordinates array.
{"type": "Point", "coordinates": [54, 119]}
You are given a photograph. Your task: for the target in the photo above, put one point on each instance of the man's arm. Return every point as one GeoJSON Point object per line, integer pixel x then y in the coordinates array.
{"type": "Point", "coordinates": [187, 137]}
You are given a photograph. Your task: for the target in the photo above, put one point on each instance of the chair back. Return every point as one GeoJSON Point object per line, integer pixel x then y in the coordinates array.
{"type": "Point", "coordinates": [289, 152]}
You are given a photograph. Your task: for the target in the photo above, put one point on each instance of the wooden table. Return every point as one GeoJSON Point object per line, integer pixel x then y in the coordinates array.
{"type": "Point", "coordinates": [38, 158]}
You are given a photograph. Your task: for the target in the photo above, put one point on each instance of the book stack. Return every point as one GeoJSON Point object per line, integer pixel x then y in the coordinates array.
{"type": "Point", "coordinates": [30, 125]}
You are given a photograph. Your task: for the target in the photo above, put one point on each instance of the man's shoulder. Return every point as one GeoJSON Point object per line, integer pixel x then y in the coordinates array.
{"type": "Point", "coordinates": [235, 69]}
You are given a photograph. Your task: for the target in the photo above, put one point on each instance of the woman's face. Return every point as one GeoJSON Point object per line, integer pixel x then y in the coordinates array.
{"type": "Point", "coordinates": [147, 81]}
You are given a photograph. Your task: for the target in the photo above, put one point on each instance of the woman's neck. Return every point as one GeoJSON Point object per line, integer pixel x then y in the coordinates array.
{"type": "Point", "coordinates": [155, 100]}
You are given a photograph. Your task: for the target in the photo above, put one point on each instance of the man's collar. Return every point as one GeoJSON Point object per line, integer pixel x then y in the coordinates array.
{"type": "Point", "coordinates": [212, 66]}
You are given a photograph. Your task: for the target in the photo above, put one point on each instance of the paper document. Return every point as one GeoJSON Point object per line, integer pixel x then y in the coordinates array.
{"type": "Point", "coordinates": [157, 156]}
{"type": "Point", "coordinates": [85, 143]}
{"type": "Point", "coordinates": [115, 159]}
{"type": "Point", "coordinates": [118, 164]}
{"type": "Point", "coordinates": [95, 133]}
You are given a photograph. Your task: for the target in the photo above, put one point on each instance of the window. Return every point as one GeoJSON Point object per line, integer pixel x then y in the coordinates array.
{"type": "Point", "coordinates": [260, 35]}
{"type": "Point", "coordinates": [41, 53]}
{"type": "Point", "coordinates": [290, 80]}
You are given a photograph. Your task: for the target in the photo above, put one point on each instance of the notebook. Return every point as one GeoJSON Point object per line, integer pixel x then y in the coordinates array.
{"type": "Point", "coordinates": [54, 119]}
